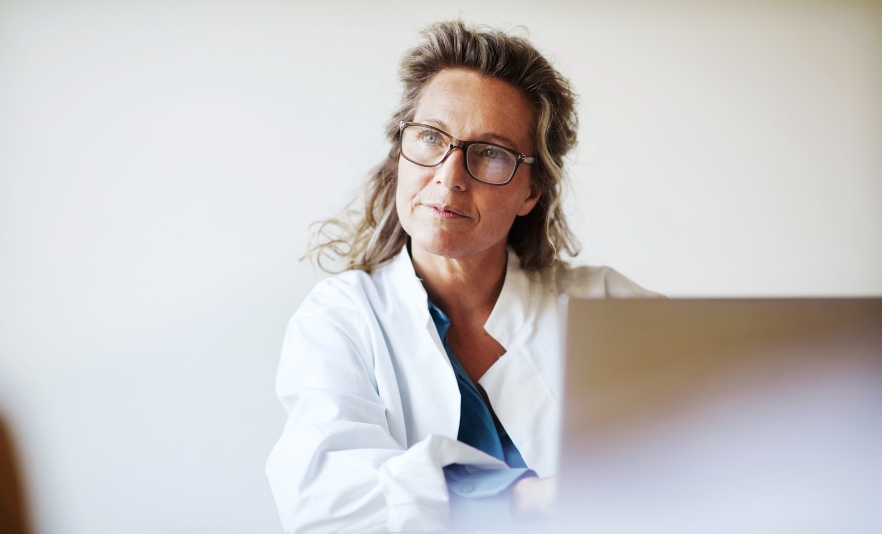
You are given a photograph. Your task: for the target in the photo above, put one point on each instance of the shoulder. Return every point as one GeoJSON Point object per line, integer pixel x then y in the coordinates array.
{"type": "Point", "coordinates": [332, 335]}
{"type": "Point", "coordinates": [338, 329]}
{"type": "Point", "coordinates": [334, 311]}
{"type": "Point", "coordinates": [365, 294]}
{"type": "Point", "coordinates": [596, 282]}
{"type": "Point", "coordinates": [338, 291]}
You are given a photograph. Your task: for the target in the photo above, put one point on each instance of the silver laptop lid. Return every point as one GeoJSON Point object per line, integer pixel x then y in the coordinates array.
{"type": "Point", "coordinates": [722, 416]}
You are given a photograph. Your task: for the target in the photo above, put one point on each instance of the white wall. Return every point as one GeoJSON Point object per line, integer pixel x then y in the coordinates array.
{"type": "Point", "coordinates": [159, 166]}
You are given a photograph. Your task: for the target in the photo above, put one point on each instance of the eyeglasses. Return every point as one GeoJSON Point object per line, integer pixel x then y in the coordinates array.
{"type": "Point", "coordinates": [485, 162]}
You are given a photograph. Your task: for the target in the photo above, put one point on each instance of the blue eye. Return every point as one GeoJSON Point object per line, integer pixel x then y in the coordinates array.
{"type": "Point", "coordinates": [490, 153]}
{"type": "Point", "coordinates": [430, 137]}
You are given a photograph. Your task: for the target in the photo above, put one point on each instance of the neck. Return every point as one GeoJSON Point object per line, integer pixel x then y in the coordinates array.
{"type": "Point", "coordinates": [462, 287]}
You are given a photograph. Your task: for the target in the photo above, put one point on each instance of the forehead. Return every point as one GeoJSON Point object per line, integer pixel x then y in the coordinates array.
{"type": "Point", "coordinates": [473, 107]}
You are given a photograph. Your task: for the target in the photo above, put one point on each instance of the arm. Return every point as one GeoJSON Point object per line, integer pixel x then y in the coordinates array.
{"type": "Point", "coordinates": [337, 467]}
{"type": "Point", "coordinates": [324, 469]}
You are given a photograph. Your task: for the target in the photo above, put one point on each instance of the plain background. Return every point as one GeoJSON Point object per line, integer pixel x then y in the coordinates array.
{"type": "Point", "coordinates": [160, 164]}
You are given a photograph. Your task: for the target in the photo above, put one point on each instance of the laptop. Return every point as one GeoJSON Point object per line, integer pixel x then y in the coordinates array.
{"type": "Point", "coordinates": [722, 415]}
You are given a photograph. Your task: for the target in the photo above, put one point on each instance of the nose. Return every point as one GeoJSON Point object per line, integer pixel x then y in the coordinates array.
{"type": "Point", "coordinates": [452, 173]}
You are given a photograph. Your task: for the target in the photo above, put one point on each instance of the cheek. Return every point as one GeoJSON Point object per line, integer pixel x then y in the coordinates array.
{"type": "Point", "coordinates": [400, 201]}
{"type": "Point", "coordinates": [500, 213]}
{"type": "Point", "coordinates": [403, 198]}
{"type": "Point", "coordinates": [497, 213]}
{"type": "Point", "coordinates": [409, 184]}
{"type": "Point", "coordinates": [506, 203]}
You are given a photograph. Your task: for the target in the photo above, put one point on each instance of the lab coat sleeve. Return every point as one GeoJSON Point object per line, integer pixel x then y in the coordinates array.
{"type": "Point", "coordinates": [470, 483]}
{"type": "Point", "coordinates": [337, 468]}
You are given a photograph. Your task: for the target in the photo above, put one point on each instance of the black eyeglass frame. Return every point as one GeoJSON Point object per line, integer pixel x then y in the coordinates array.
{"type": "Point", "coordinates": [464, 146]}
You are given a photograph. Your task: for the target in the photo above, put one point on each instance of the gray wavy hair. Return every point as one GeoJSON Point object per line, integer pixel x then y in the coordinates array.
{"type": "Point", "coordinates": [365, 238]}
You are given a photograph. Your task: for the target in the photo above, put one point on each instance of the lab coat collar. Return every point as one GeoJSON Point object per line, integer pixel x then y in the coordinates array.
{"type": "Point", "coordinates": [404, 275]}
{"type": "Point", "coordinates": [513, 305]}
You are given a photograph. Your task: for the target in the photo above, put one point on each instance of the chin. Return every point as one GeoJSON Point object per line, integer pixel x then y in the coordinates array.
{"type": "Point", "coordinates": [438, 243]}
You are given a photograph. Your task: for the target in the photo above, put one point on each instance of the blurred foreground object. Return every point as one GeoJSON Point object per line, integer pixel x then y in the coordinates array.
{"type": "Point", "coordinates": [13, 519]}
{"type": "Point", "coordinates": [754, 415]}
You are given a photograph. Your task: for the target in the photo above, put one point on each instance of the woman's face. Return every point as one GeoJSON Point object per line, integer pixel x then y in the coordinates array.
{"type": "Point", "coordinates": [444, 210]}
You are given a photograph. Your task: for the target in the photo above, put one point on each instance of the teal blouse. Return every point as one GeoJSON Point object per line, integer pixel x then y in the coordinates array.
{"type": "Point", "coordinates": [478, 429]}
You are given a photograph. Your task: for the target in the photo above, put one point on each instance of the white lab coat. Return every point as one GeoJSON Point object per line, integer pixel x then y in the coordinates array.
{"type": "Point", "coordinates": [373, 403]}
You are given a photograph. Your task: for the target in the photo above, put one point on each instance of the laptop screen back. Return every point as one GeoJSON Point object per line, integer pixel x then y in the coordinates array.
{"type": "Point", "coordinates": [722, 416]}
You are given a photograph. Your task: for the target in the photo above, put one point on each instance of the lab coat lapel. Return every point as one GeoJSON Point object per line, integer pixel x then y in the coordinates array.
{"type": "Point", "coordinates": [521, 397]}
{"type": "Point", "coordinates": [424, 372]}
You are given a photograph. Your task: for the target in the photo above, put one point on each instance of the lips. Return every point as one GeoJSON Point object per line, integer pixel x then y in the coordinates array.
{"type": "Point", "coordinates": [444, 211]}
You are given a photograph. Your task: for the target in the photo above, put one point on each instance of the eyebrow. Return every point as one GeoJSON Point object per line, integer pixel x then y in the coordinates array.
{"type": "Point", "coordinates": [487, 136]}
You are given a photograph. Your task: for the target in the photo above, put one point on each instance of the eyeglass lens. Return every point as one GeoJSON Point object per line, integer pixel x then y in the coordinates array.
{"type": "Point", "coordinates": [428, 146]}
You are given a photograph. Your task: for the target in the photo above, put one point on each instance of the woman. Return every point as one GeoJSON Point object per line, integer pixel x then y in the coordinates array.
{"type": "Point", "coordinates": [428, 374]}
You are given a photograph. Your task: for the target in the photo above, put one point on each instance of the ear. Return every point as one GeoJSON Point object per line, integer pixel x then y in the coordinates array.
{"type": "Point", "coordinates": [531, 200]}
